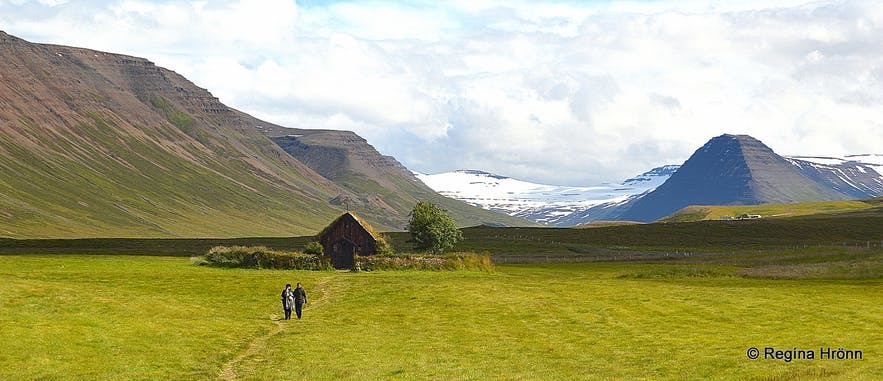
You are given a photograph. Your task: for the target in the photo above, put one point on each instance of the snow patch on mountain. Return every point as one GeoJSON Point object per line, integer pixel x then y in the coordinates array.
{"type": "Point", "coordinates": [859, 176]}
{"type": "Point", "coordinates": [873, 159]}
{"type": "Point", "coordinates": [542, 203]}
{"type": "Point", "coordinates": [868, 159]}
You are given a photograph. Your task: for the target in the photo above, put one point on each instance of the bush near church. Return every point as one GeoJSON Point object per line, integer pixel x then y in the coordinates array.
{"type": "Point", "coordinates": [432, 230]}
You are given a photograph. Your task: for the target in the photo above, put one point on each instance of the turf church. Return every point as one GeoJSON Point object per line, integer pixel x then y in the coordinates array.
{"type": "Point", "coordinates": [346, 237]}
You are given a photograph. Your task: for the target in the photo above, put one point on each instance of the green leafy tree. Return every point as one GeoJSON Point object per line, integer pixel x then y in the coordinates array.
{"type": "Point", "coordinates": [432, 230]}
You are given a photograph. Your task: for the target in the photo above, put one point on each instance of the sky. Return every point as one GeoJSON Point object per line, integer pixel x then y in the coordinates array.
{"type": "Point", "coordinates": [558, 92]}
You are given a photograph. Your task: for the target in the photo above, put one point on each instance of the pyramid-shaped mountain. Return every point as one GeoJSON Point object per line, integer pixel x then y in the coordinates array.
{"type": "Point", "coordinates": [730, 170]}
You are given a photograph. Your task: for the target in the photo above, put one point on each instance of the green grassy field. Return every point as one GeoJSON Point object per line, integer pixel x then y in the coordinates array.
{"type": "Point", "coordinates": [717, 212]}
{"type": "Point", "coordinates": [136, 317]}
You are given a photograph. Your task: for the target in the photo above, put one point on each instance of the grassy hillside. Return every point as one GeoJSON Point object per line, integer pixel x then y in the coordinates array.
{"type": "Point", "coordinates": [91, 181]}
{"type": "Point", "coordinates": [106, 317]}
{"type": "Point", "coordinates": [98, 144]}
{"type": "Point", "coordinates": [719, 212]}
{"type": "Point", "coordinates": [95, 144]}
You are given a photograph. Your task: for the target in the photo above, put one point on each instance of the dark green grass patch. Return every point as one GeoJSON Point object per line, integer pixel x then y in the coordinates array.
{"type": "Point", "coordinates": [868, 267]}
{"type": "Point", "coordinates": [448, 262]}
{"type": "Point", "coordinates": [684, 271]}
{"type": "Point", "coordinates": [854, 229]}
{"type": "Point", "coordinates": [184, 247]}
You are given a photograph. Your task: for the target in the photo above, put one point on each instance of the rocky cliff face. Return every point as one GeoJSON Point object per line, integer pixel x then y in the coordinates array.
{"type": "Point", "coordinates": [373, 181]}
{"type": "Point", "coordinates": [339, 154]}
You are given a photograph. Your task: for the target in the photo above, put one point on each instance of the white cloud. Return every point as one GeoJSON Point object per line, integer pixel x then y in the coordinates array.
{"type": "Point", "coordinates": [563, 92]}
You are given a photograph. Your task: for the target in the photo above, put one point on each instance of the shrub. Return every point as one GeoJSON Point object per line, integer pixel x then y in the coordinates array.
{"type": "Point", "coordinates": [260, 257]}
{"type": "Point", "coordinates": [314, 248]}
{"type": "Point", "coordinates": [384, 247]}
{"type": "Point", "coordinates": [449, 262]}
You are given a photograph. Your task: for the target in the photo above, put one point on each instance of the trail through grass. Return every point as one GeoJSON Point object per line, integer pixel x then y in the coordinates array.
{"type": "Point", "coordinates": [108, 317]}
{"type": "Point", "coordinates": [260, 343]}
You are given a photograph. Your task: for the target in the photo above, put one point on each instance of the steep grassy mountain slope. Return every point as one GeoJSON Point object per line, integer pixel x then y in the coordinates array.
{"type": "Point", "coordinates": [374, 182]}
{"type": "Point", "coordinates": [98, 144]}
{"type": "Point", "coordinates": [730, 170]}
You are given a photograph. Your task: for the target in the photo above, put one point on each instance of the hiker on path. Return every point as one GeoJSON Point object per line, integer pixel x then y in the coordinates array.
{"type": "Point", "coordinates": [288, 301]}
{"type": "Point", "coordinates": [300, 298]}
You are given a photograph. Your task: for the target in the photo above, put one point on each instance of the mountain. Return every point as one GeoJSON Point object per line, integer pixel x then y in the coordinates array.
{"type": "Point", "coordinates": [374, 182]}
{"type": "Point", "coordinates": [728, 170]}
{"type": "Point", "coordinates": [740, 170]}
{"type": "Point", "coordinates": [859, 176]}
{"type": "Point", "coordinates": [99, 144]}
{"type": "Point", "coordinates": [546, 204]}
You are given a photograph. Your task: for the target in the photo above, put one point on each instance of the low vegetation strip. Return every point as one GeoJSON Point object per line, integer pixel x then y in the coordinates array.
{"type": "Point", "coordinates": [450, 262]}
{"type": "Point", "coordinates": [177, 247]}
{"type": "Point", "coordinates": [262, 258]}
{"type": "Point", "coordinates": [863, 268]}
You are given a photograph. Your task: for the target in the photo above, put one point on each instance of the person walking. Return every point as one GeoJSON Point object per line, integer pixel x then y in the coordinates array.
{"type": "Point", "coordinates": [288, 300]}
{"type": "Point", "coordinates": [300, 298]}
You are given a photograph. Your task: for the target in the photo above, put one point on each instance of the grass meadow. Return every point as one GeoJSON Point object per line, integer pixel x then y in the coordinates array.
{"type": "Point", "coordinates": [140, 317]}
{"type": "Point", "coordinates": [717, 212]}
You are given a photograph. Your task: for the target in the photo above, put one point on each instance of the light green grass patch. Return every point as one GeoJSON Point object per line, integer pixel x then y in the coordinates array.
{"type": "Point", "coordinates": [717, 212]}
{"type": "Point", "coordinates": [100, 317]}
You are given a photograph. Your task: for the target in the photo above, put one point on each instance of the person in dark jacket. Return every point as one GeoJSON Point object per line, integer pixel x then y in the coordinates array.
{"type": "Point", "coordinates": [288, 300]}
{"type": "Point", "coordinates": [300, 298]}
